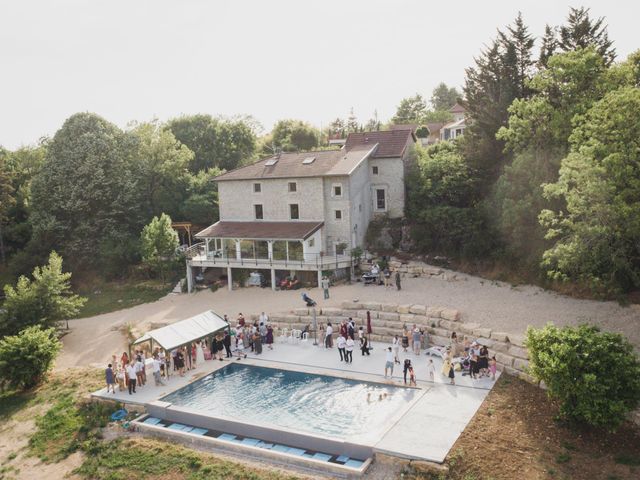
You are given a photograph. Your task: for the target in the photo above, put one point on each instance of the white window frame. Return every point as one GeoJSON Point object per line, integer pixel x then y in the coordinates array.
{"type": "Point", "coordinates": [333, 190]}
{"type": "Point", "coordinates": [253, 188]}
{"type": "Point", "coordinates": [375, 199]}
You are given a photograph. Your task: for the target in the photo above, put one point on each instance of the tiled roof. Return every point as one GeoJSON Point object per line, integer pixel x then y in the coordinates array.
{"type": "Point", "coordinates": [434, 128]}
{"type": "Point", "coordinates": [290, 165]}
{"type": "Point", "coordinates": [457, 108]}
{"type": "Point", "coordinates": [292, 230]}
{"type": "Point", "coordinates": [391, 143]}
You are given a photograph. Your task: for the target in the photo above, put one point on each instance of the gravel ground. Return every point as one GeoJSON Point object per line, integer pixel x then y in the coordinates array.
{"type": "Point", "coordinates": [493, 304]}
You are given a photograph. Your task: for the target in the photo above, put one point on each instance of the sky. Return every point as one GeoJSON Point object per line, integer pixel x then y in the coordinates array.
{"type": "Point", "coordinates": [313, 60]}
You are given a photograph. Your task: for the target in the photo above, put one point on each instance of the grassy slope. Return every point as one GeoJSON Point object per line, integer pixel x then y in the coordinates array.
{"type": "Point", "coordinates": [105, 297]}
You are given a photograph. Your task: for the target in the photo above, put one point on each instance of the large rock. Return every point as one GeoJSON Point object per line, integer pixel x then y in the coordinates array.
{"type": "Point", "coordinates": [391, 316]}
{"type": "Point", "coordinates": [522, 365]}
{"type": "Point", "coordinates": [504, 359]}
{"type": "Point", "coordinates": [408, 319]}
{"type": "Point", "coordinates": [518, 352]}
{"type": "Point", "coordinates": [487, 342]}
{"type": "Point", "coordinates": [332, 312]}
{"type": "Point", "coordinates": [301, 311]}
{"type": "Point", "coordinates": [435, 311]}
{"type": "Point", "coordinates": [418, 309]}
{"type": "Point", "coordinates": [448, 324]}
{"type": "Point", "coordinates": [390, 307]}
{"type": "Point", "coordinates": [375, 306]}
{"type": "Point", "coordinates": [404, 308]}
{"type": "Point", "coordinates": [482, 332]}
{"type": "Point", "coordinates": [517, 339]}
{"type": "Point", "coordinates": [500, 336]}
{"type": "Point", "coordinates": [450, 314]}
{"type": "Point", "coordinates": [468, 328]}
{"type": "Point", "coordinates": [351, 306]}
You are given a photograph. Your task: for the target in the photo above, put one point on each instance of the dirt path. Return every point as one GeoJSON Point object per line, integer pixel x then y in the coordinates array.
{"type": "Point", "coordinates": [493, 304]}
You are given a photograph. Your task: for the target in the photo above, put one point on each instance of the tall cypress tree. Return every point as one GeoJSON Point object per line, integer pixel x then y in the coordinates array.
{"type": "Point", "coordinates": [549, 46]}
{"type": "Point", "coordinates": [580, 31]}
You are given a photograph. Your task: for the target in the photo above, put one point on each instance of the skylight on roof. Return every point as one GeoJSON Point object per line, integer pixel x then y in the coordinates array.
{"type": "Point", "coordinates": [271, 162]}
{"type": "Point", "coordinates": [308, 160]}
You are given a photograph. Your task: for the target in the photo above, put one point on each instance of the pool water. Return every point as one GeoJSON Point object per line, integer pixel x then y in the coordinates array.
{"type": "Point", "coordinates": [300, 401]}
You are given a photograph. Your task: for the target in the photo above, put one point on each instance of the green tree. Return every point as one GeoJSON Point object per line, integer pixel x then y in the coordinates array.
{"type": "Point", "coordinates": [594, 375]}
{"type": "Point", "coordinates": [201, 204]}
{"type": "Point", "coordinates": [7, 200]}
{"type": "Point", "coordinates": [215, 142]}
{"type": "Point", "coordinates": [548, 47]}
{"type": "Point", "coordinates": [580, 31]}
{"type": "Point", "coordinates": [410, 110]}
{"type": "Point", "coordinates": [27, 357]}
{"type": "Point", "coordinates": [596, 234]}
{"type": "Point", "coordinates": [161, 167]}
{"type": "Point", "coordinates": [159, 242]}
{"type": "Point", "coordinates": [352, 122]}
{"type": "Point", "coordinates": [441, 202]}
{"type": "Point", "coordinates": [85, 191]}
{"type": "Point", "coordinates": [44, 301]}
{"type": "Point", "coordinates": [294, 135]}
{"type": "Point", "coordinates": [443, 97]}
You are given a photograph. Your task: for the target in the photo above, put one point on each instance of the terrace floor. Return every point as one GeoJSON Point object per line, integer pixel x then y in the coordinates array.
{"type": "Point", "coordinates": [426, 430]}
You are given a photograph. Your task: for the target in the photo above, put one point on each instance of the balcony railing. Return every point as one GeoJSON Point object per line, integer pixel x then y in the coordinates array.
{"type": "Point", "coordinates": [316, 261]}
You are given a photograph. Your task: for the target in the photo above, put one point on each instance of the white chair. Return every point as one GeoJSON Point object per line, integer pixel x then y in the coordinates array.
{"type": "Point", "coordinates": [305, 338]}
{"type": "Point", "coordinates": [295, 335]}
{"type": "Point", "coordinates": [284, 335]}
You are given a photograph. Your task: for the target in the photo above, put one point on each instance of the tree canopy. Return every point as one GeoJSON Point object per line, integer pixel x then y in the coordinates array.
{"type": "Point", "coordinates": [292, 136]}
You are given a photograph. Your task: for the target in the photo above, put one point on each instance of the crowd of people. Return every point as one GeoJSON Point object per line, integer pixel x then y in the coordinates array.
{"type": "Point", "coordinates": [130, 371]}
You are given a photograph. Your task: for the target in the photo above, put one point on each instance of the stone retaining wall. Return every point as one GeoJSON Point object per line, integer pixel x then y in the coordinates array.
{"type": "Point", "coordinates": [387, 320]}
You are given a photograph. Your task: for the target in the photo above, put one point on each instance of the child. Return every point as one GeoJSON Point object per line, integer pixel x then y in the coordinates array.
{"type": "Point", "coordinates": [452, 374]}
{"type": "Point", "coordinates": [240, 349]}
{"type": "Point", "coordinates": [431, 368]}
{"type": "Point", "coordinates": [412, 376]}
{"type": "Point", "coordinates": [110, 378]}
{"type": "Point", "coordinates": [493, 367]}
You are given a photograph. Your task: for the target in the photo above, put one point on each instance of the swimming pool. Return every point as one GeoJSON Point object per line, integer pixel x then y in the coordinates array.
{"type": "Point", "coordinates": [299, 401]}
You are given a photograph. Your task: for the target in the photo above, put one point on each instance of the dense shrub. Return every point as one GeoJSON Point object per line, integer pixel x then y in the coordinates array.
{"type": "Point", "coordinates": [25, 358]}
{"type": "Point", "coordinates": [594, 375]}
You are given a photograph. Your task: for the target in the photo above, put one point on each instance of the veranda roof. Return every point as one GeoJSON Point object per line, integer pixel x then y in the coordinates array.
{"type": "Point", "coordinates": [293, 230]}
{"type": "Point", "coordinates": [185, 331]}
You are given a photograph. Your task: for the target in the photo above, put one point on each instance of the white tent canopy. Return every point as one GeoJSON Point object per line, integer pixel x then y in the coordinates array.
{"type": "Point", "coordinates": [185, 331]}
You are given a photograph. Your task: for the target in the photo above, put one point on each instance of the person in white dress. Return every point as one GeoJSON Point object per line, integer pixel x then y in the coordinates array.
{"type": "Point", "coordinates": [199, 354]}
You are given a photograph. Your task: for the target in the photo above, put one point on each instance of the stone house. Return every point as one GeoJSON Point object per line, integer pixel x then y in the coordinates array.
{"type": "Point", "coordinates": [296, 212]}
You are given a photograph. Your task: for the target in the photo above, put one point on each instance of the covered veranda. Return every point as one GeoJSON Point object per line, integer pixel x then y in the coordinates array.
{"type": "Point", "coordinates": [293, 245]}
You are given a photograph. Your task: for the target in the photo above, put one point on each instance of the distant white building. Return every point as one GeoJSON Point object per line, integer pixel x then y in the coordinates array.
{"type": "Point", "coordinates": [457, 127]}
{"type": "Point", "coordinates": [305, 211]}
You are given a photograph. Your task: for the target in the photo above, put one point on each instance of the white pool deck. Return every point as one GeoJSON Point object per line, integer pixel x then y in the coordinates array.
{"type": "Point", "coordinates": [426, 431]}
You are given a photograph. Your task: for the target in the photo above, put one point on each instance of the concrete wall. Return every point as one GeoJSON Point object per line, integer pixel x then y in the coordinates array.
{"type": "Point", "coordinates": [361, 206]}
{"type": "Point", "coordinates": [236, 199]}
{"type": "Point", "coordinates": [390, 177]}
{"type": "Point", "coordinates": [336, 231]}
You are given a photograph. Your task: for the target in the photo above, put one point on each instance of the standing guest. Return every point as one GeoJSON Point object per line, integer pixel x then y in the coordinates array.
{"type": "Point", "coordinates": [341, 343]}
{"type": "Point", "coordinates": [388, 366]}
{"type": "Point", "coordinates": [349, 349]}
{"type": "Point", "coordinates": [179, 362]}
{"type": "Point", "coordinates": [200, 353]}
{"type": "Point", "coordinates": [396, 349]}
{"type": "Point", "coordinates": [412, 376]}
{"type": "Point", "coordinates": [263, 332]}
{"type": "Point", "coordinates": [432, 370]}
{"type": "Point", "coordinates": [473, 365]}
{"type": "Point", "coordinates": [132, 376]}
{"type": "Point", "coordinates": [466, 344]}
{"type": "Point", "coordinates": [124, 359]}
{"type": "Point", "coordinates": [139, 366]}
{"type": "Point", "coordinates": [398, 285]}
{"type": "Point", "coordinates": [110, 378]}
{"type": "Point", "coordinates": [227, 343]}
{"type": "Point", "coordinates": [163, 362]}
{"type": "Point", "coordinates": [219, 341]}
{"type": "Point", "coordinates": [405, 369]}
{"type": "Point", "coordinates": [405, 338]}
{"type": "Point", "coordinates": [226, 319]}
{"type": "Point", "coordinates": [364, 345]}
{"type": "Point", "coordinates": [454, 343]}
{"type": "Point", "coordinates": [174, 354]}
{"type": "Point", "coordinates": [344, 331]}
{"type": "Point", "coordinates": [328, 336]}
{"type": "Point", "coordinates": [351, 329]}
{"type": "Point", "coordinates": [325, 287]}
{"type": "Point", "coordinates": [483, 361]}
{"type": "Point", "coordinates": [269, 338]}
{"type": "Point", "coordinates": [241, 319]}
{"type": "Point", "coordinates": [214, 349]}
{"type": "Point", "coordinates": [452, 375]}
{"type": "Point", "coordinates": [257, 343]}
{"type": "Point", "coordinates": [446, 363]}
{"type": "Point", "coordinates": [121, 375]}
{"type": "Point", "coordinates": [387, 277]}
{"type": "Point", "coordinates": [114, 363]}
{"type": "Point", "coordinates": [493, 366]}
{"type": "Point", "coordinates": [156, 371]}
{"type": "Point", "coordinates": [263, 319]}
{"type": "Point", "coordinates": [188, 357]}
{"type": "Point", "coordinates": [240, 349]}
{"type": "Point", "coordinates": [416, 340]}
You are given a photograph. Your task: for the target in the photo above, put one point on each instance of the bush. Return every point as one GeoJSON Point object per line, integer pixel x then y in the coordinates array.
{"type": "Point", "coordinates": [25, 358]}
{"type": "Point", "coordinates": [594, 375]}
